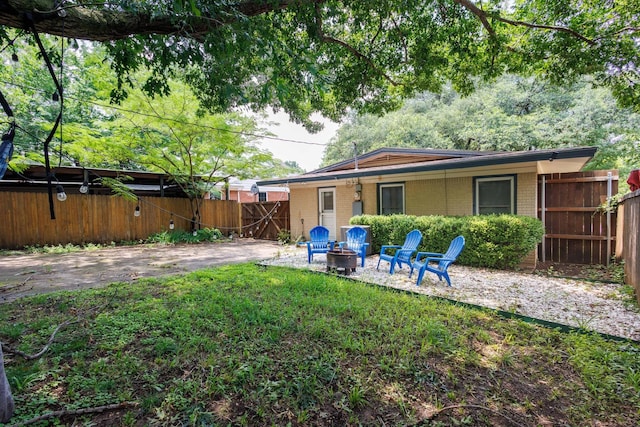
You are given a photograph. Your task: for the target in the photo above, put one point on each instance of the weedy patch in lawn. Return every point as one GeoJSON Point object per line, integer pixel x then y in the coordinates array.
{"type": "Point", "coordinates": [245, 345]}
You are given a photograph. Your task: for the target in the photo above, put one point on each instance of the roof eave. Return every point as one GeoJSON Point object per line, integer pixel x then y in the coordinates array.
{"type": "Point", "coordinates": [489, 160]}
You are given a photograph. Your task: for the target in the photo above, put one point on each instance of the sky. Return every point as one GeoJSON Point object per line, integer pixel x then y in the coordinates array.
{"type": "Point", "coordinates": [308, 155]}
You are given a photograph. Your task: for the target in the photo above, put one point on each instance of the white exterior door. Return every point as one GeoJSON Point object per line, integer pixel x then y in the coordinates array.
{"type": "Point", "coordinates": [327, 207]}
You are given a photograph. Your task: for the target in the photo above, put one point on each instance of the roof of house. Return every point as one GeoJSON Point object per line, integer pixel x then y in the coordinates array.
{"type": "Point", "coordinates": [400, 156]}
{"type": "Point", "coordinates": [246, 185]}
{"type": "Point", "coordinates": [392, 161]}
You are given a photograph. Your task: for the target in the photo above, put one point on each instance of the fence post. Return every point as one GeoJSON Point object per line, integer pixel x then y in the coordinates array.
{"type": "Point", "coordinates": [609, 195]}
{"type": "Point", "coordinates": [544, 217]}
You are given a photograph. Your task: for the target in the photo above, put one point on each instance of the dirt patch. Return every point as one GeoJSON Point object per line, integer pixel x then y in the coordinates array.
{"type": "Point", "coordinates": [24, 275]}
{"type": "Point", "coordinates": [579, 271]}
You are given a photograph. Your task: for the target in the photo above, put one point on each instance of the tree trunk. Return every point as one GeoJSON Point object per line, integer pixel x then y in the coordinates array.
{"type": "Point", "coordinates": [6, 399]}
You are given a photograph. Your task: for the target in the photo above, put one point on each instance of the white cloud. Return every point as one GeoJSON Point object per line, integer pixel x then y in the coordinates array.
{"type": "Point", "coordinates": [309, 149]}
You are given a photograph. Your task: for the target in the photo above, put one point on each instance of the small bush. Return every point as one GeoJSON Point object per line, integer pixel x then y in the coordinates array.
{"type": "Point", "coordinates": [284, 237]}
{"type": "Point", "coordinates": [180, 236]}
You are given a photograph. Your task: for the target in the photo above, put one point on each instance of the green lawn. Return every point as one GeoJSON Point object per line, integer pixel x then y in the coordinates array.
{"type": "Point", "coordinates": [248, 345]}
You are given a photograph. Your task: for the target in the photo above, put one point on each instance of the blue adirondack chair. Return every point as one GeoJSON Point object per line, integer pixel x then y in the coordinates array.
{"type": "Point", "coordinates": [441, 262]}
{"type": "Point", "coordinates": [319, 243]}
{"type": "Point", "coordinates": [356, 241]}
{"type": "Point", "coordinates": [403, 253]}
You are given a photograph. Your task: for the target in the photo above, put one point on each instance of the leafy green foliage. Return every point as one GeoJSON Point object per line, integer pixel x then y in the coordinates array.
{"type": "Point", "coordinates": [179, 236]}
{"type": "Point", "coordinates": [499, 241]}
{"type": "Point", "coordinates": [284, 237]}
{"type": "Point", "coordinates": [304, 57]}
{"type": "Point", "coordinates": [323, 349]}
{"type": "Point", "coordinates": [169, 134]}
{"type": "Point", "coordinates": [512, 113]}
{"type": "Point", "coordinates": [54, 249]}
{"type": "Point", "coordinates": [119, 187]}
{"type": "Point", "coordinates": [495, 241]}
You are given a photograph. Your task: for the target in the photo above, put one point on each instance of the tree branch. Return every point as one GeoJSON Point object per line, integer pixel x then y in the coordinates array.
{"type": "Point", "coordinates": [448, 408]}
{"type": "Point", "coordinates": [482, 16]}
{"type": "Point", "coordinates": [548, 27]}
{"type": "Point", "coordinates": [101, 24]}
{"type": "Point", "coordinates": [46, 347]}
{"type": "Point", "coordinates": [84, 411]}
{"type": "Point", "coordinates": [405, 49]}
{"type": "Point", "coordinates": [354, 51]}
{"type": "Point", "coordinates": [81, 316]}
{"type": "Point", "coordinates": [17, 285]}
{"type": "Point", "coordinates": [620, 31]}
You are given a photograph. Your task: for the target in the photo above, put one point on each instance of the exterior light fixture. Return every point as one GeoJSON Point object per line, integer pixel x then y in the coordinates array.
{"type": "Point", "coordinates": [60, 194]}
{"type": "Point", "coordinates": [137, 211]}
{"type": "Point", "coordinates": [84, 188]}
{"type": "Point", "coordinates": [171, 224]}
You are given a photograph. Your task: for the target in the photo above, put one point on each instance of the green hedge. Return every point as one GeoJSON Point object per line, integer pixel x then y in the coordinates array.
{"type": "Point", "coordinates": [495, 241]}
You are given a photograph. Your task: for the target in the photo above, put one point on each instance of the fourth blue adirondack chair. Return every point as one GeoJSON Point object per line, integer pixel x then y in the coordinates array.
{"type": "Point", "coordinates": [436, 262]}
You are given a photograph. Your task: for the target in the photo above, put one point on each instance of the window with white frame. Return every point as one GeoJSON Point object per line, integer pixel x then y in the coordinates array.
{"type": "Point", "coordinates": [495, 195]}
{"type": "Point", "coordinates": [391, 198]}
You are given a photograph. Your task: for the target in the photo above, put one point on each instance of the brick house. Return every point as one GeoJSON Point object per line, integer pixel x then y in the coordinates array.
{"type": "Point", "coordinates": [423, 182]}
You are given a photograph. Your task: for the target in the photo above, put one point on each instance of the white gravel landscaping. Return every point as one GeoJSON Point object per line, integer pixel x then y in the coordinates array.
{"type": "Point", "coordinates": [590, 305]}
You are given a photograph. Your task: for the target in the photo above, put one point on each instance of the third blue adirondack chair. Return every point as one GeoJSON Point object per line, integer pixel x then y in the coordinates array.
{"type": "Point", "coordinates": [441, 262]}
{"type": "Point", "coordinates": [403, 253]}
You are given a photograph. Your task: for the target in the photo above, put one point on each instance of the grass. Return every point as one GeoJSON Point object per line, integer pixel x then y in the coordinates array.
{"type": "Point", "coordinates": [244, 345]}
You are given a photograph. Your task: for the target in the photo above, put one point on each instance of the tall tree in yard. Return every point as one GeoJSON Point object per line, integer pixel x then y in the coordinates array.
{"type": "Point", "coordinates": [196, 149]}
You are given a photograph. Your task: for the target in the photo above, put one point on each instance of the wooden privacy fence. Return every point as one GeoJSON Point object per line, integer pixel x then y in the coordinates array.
{"type": "Point", "coordinates": [265, 220]}
{"type": "Point", "coordinates": [628, 248]}
{"type": "Point", "coordinates": [25, 218]}
{"type": "Point", "coordinates": [576, 230]}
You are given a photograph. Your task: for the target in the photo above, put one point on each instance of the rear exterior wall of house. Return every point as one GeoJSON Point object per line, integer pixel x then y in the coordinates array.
{"type": "Point", "coordinates": [437, 196]}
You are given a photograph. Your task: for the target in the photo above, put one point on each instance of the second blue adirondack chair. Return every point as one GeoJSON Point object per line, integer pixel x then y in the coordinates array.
{"type": "Point", "coordinates": [441, 262]}
{"type": "Point", "coordinates": [403, 253]}
{"type": "Point", "coordinates": [319, 242]}
{"type": "Point", "coordinates": [356, 241]}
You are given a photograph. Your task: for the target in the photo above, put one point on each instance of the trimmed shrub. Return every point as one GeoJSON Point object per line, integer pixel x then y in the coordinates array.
{"type": "Point", "coordinates": [494, 241]}
{"type": "Point", "coordinates": [180, 236]}
{"type": "Point", "coordinates": [500, 241]}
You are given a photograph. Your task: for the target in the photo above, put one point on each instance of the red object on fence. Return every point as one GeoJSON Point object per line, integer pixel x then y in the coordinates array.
{"type": "Point", "coordinates": [634, 180]}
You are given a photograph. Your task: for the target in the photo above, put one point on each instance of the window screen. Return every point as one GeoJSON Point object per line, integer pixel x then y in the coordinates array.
{"type": "Point", "coordinates": [391, 199]}
{"type": "Point", "coordinates": [495, 195]}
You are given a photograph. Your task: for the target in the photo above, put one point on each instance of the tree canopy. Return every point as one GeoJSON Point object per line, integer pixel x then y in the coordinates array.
{"type": "Point", "coordinates": [167, 134]}
{"type": "Point", "coordinates": [512, 113]}
{"type": "Point", "coordinates": [331, 56]}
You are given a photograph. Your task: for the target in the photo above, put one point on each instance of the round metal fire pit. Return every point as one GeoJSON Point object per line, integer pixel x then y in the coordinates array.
{"type": "Point", "coordinates": [342, 261]}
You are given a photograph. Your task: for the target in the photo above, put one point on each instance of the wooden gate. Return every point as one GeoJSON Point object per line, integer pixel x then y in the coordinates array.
{"type": "Point", "coordinates": [265, 220]}
{"type": "Point", "coordinates": [577, 230]}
